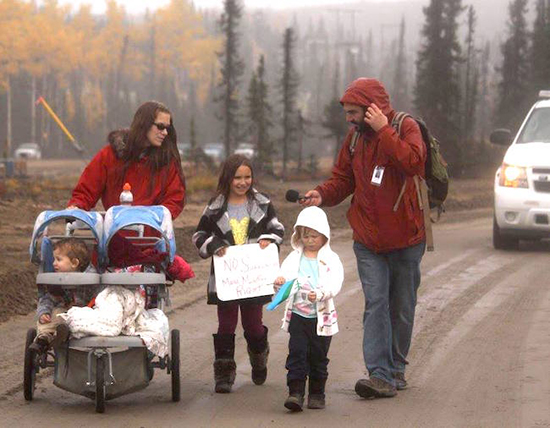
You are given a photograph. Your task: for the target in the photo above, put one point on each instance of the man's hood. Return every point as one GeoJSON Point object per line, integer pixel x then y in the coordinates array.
{"type": "Point", "coordinates": [314, 218]}
{"type": "Point", "coordinates": [365, 91]}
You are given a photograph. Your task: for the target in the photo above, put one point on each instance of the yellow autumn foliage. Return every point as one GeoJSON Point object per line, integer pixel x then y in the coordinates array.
{"type": "Point", "coordinates": [52, 41]}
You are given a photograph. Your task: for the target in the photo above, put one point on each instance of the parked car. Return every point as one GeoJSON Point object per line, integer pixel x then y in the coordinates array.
{"type": "Point", "coordinates": [215, 151]}
{"type": "Point", "coordinates": [185, 150]}
{"type": "Point", "coordinates": [28, 151]}
{"type": "Point", "coordinates": [522, 183]}
{"type": "Point", "coordinates": [246, 149]}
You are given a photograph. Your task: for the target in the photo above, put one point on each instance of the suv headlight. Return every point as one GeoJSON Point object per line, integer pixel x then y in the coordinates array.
{"type": "Point", "coordinates": [513, 176]}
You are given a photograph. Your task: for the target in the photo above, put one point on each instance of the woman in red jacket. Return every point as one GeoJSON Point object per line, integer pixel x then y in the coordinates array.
{"type": "Point", "coordinates": [146, 156]}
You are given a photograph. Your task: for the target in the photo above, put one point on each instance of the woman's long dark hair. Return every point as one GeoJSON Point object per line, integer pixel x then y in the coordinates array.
{"type": "Point", "coordinates": [228, 171]}
{"type": "Point", "coordinates": [138, 144]}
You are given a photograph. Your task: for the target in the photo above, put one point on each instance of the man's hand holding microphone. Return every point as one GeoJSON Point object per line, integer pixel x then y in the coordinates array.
{"type": "Point", "coordinates": [311, 198]}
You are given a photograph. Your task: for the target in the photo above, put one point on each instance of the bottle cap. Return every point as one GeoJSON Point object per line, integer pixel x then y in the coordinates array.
{"type": "Point", "coordinates": [126, 187]}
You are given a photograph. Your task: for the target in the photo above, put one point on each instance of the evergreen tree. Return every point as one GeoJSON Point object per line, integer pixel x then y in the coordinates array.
{"type": "Point", "coordinates": [259, 112]}
{"type": "Point", "coordinates": [437, 90]}
{"type": "Point", "coordinates": [301, 133]}
{"type": "Point", "coordinates": [334, 120]}
{"type": "Point", "coordinates": [514, 84]}
{"type": "Point", "coordinates": [231, 70]}
{"type": "Point", "coordinates": [400, 92]}
{"type": "Point", "coordinates": [540, 48]}
{"type": "Point", "coordinates": [484, 102]}
{"type": "Point", "coordinates": [471, 80]}
{"type": "Point", "coordinates": [289, 86]}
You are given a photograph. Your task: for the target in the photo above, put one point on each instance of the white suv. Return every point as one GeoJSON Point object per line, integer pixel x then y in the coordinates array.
{"type": "Point", "coordinates": [522, 183]}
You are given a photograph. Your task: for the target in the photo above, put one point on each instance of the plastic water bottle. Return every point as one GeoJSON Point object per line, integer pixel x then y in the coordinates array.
{"type": "Point", "coordinates": [126, 197]}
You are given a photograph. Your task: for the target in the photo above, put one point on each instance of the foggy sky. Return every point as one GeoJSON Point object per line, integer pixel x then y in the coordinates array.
{"type": "Point", "coordinates": [139, 6]}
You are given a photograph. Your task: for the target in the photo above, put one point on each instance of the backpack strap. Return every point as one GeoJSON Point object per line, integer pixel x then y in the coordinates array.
{"type": "Point", "coordinates": [396, 123]}
{"type": "Point", "coordinates": [353, 143]}
{"type": "Point", "coordinates": [422, 191]}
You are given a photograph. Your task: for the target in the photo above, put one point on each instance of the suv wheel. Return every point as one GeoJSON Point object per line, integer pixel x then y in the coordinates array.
{"type": "Point", "coordinates": [501, 242]}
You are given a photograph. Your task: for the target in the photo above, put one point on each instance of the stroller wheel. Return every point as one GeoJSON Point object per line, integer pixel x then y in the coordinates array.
{"type": "Point", "coordinates": [175, 364]}
{"type": "Point", "coordinates": [30, 369]}
{"type": "Point", "coordinates": [100, 385]}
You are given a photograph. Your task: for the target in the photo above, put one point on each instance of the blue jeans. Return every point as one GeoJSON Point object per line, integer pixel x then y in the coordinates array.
{"type": "Point", "coordinates": [390, 282]}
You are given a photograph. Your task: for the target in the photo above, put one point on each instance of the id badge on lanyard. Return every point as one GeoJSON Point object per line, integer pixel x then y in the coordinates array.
{"type": "Point", "coordinates": [377, 175]}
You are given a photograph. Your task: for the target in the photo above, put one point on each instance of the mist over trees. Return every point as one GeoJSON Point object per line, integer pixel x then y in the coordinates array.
{"type": "Point", "coordinates": [514, 82]}
{"type": "Point", "coordinates": [288, 85]}
{"type": "Point", "coordinates": [259, 114]}
{"type": "Point", "coordinates": [221, 72]}
{"type": "Point", "coordinates": [231, 70]}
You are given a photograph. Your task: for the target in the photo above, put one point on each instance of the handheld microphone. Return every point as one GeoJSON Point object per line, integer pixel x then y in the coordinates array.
{"type": "Point", "coordinates": [293, 196]}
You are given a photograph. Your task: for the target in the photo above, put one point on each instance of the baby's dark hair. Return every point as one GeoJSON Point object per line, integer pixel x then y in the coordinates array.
{"type": "Point", "coordinates": [74, 248]}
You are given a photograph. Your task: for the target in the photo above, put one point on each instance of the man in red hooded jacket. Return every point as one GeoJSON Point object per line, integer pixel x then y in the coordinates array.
{"type": "Point", "coordinates": [388, 227]}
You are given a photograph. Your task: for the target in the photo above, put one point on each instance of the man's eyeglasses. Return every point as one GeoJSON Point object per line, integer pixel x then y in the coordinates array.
{"type": "Point", "coordinates": [161, 126]}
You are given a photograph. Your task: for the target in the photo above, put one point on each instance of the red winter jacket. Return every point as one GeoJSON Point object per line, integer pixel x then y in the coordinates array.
{"type": "Point", "coordinates": [371, 214]}
{"type": "Point", "coordinates": [99, 180]}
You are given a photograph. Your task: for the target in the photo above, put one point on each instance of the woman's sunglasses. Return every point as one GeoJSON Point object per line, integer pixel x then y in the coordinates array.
{"type": "Point", "coordinates": [161, 126]}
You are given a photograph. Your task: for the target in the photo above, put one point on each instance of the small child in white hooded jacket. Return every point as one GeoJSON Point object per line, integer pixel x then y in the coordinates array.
{"type": "Point", "coordinates": [310, 316]}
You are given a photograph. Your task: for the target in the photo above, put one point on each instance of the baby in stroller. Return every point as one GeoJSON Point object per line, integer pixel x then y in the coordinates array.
{"type": "Point", "coordinates": [122, 335]}
{"type": "Point", "coordinates": [69, 255]}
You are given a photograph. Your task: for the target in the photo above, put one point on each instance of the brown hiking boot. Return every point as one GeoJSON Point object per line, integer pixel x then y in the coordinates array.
{"type": "Point", "coordinates": [400, 382]}
{"type": "Point", "coordinates": [375, 388]}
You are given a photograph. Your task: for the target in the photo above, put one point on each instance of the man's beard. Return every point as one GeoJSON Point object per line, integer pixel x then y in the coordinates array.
{"type": "Point", "coordinates": [361, 127]}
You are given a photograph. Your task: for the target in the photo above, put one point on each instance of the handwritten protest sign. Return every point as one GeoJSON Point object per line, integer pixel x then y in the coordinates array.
{"type": "Point", "coordinates": [246, 271]}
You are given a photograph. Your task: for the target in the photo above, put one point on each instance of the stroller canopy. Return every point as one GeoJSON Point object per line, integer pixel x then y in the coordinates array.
{"type": "Point", "coordinates": [92, 219]}
{"type": "Point", "coordinates": [156, 217]}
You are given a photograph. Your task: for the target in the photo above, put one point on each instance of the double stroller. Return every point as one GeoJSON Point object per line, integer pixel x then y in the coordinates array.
{"type": "Point", "coordinates": [103, 367]}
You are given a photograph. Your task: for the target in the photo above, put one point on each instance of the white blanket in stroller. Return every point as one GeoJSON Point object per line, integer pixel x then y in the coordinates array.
{"type": "Point", "coordinates": [118, 311]}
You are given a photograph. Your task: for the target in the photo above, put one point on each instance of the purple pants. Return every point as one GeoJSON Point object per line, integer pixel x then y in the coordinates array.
{"type": "Point", "coordinates": [251, 319]}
